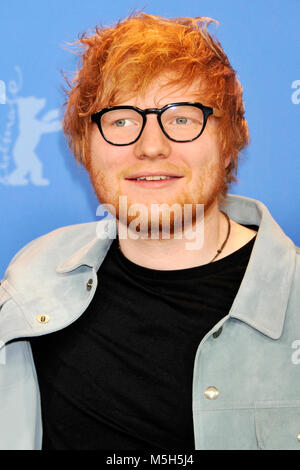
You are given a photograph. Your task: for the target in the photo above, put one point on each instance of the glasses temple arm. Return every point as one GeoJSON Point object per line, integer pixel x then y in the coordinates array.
{"type": "Point", "coordinates": [217, 112]}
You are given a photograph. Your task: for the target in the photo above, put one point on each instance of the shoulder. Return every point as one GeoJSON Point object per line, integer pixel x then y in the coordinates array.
{"type": "Point", "coordinates": [294, 294]}
{"type": "Point", "coordinates": [54, 246]}
{"type": "Point", "coordinates": [297, 267]}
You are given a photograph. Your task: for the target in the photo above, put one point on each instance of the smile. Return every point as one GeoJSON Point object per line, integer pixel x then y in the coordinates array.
{"type": "Point", "coordinates": [154, 178]}
{"type": "Point", "coordinates": [154, 181]}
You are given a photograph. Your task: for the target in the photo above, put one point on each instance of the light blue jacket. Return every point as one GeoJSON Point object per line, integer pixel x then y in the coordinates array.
{"type": "Point", "coordinates": [246, 384]}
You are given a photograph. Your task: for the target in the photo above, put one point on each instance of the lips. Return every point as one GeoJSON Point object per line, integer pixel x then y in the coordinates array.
{"type": "Point", "coordinates": [157, 173]}
{"type": "Point", "coordinates": [152, 181]}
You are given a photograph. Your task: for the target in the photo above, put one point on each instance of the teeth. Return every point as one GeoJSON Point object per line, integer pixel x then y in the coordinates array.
{"type": "Point", "coordinates": [154, 178]}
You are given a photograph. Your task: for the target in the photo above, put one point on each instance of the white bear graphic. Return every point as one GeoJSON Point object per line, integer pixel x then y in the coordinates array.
{"type": "Point", "coordinates": [30, 129]}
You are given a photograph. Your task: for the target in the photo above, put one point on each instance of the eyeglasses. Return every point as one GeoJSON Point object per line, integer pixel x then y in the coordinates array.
{"type": "Point", "coordinates": [180, 122]}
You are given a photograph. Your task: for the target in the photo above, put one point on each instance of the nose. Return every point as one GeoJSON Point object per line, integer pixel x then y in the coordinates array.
{"type": "Point", "coordinates": [152, 143]}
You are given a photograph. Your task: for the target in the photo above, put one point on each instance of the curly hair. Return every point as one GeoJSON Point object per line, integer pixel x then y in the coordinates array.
{"type": "Point", "coordinates": [122, 60]}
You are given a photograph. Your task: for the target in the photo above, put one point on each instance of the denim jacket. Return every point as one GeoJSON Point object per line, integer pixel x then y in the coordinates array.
{"type": "Point", "coordinates": [246, 381]}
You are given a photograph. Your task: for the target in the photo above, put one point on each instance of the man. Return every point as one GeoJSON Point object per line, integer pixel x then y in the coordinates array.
{"type": "Point", "coordinates": [167, 336]}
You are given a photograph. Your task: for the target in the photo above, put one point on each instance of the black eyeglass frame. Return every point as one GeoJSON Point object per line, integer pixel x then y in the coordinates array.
{"type": "Point", "coordinates": [207, 111]}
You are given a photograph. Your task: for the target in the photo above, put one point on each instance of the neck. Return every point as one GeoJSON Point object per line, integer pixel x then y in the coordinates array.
{"type": "Point", "coordinates": [171, 254]}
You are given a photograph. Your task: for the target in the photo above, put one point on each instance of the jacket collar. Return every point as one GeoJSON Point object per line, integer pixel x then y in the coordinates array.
{"type": "Point", "coordinates": [263, 296]}
{"type": "Point", "coordinates": [264, 292]}
{"type": "Point", "coordinates": [92, 254]}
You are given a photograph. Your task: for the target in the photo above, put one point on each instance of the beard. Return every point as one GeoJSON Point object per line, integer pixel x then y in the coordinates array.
{"type": "Point", "coordinates": [170, 218]}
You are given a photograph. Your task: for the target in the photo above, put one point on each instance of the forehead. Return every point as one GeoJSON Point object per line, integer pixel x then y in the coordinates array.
{"type": "Point", "coordinates": [163, 90]}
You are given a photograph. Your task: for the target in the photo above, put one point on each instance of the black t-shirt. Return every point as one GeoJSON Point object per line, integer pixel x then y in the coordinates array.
{"type": "Point", "coordinates": [120, 377]}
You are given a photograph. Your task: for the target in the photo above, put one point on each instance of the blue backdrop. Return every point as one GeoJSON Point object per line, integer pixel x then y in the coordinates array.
{"type": "Point", "coordinates": [41, 185]}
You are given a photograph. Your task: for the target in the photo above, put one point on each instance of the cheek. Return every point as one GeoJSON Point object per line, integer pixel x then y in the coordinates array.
{"type": "Point", "coordinates": [96, 146]}
{"type": "Point", "coordinates": [205, 155]}
{"type": "Point", "coordinates": [103, 155]}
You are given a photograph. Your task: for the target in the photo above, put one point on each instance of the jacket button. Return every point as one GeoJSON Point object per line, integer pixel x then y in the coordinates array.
{"type": "Point", "coordinates": [89, 284]}
{"type": "Point", "coordinates": [43, 318]}
{"type": "Point", "coordinates": [218, 332]}
{"type": "Point", "coordinates": [211, 393]}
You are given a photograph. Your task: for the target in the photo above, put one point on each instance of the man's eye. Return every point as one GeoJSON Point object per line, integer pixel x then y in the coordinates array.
{"type": "Point", "coordinates": [122, 123]}
{"type": "Point", "coordinates": [125, 123]}
{"type": "Point", "coordinates": [182, 120]}
{"type": "Point", "coordinates": [185, 121]}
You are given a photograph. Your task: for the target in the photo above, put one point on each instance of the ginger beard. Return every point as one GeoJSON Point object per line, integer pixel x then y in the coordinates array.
{"type": "Point", "coordinates": [207, 190]}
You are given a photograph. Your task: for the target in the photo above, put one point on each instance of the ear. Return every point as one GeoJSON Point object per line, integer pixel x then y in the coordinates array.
{"type": "Point", "coordinates": [227, 162]}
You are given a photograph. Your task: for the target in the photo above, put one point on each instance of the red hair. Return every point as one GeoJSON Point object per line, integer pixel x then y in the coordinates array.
{"type": "Point", "coordinates": [122, 60]}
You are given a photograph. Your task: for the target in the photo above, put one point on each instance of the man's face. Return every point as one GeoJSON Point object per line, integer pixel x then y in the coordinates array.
{"type": "Point", "coordinates": [198, 163]}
